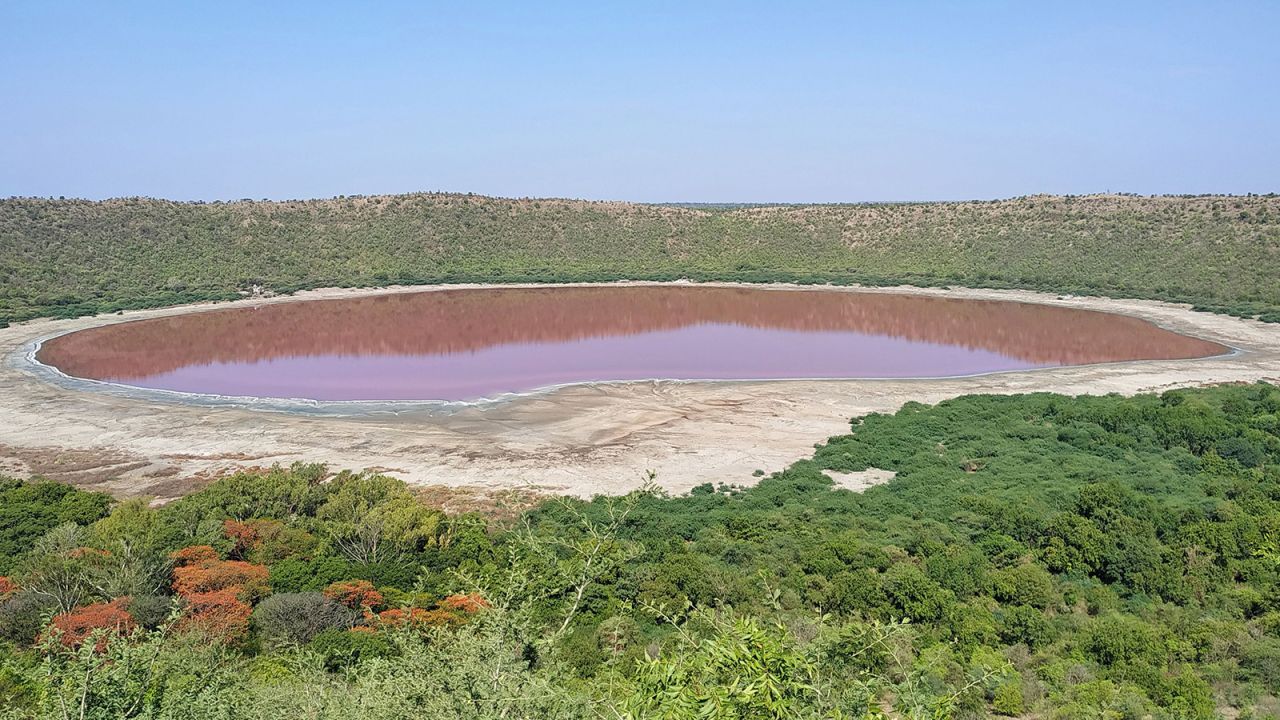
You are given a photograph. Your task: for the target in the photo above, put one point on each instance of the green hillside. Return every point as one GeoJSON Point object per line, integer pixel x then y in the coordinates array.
{"type": "Point", "coordinates": [72, 257]}
{"type": "Point", "coordinates": [1037, 556]}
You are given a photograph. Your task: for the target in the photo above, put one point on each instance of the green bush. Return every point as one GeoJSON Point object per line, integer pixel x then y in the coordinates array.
{"type": "Point", "coordinates": [1008, 699]}
{"type": "Point", "coordinates": [1025, 624]}
{"type": "Point", "coordinates": [341, 649]}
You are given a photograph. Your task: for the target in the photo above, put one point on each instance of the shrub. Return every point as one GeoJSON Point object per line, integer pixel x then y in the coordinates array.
{"type": "Point", "coordinates": [915, 595]}
{"type": "Point", "coordinates": [297, 575]}
{"type": "Point", "coordinates": [22, 616]}
{"type": "Point", "coordinates": [418, 618]}
{"type": "Point", "coordinates": [151, 611]}
{"type": "Point", "coordinates": [859, 590]}
{"type": "Point", "coordinates": [341, 649]}
{"type": "Point", "coordinates": [30, 509]}
{"type": "Point", "coordinates": [1124, 640]}
{"type": "Point", "coordinates": [1187, 696]}
{"type": "Point", "coordinates": [267, 541]}
{"type": "Point", "coordinates": [296, 618]}
{"type": "Point", "coordinates": [243, 535]}
{"type": "Point", "coordinates": [469, 603]}
{"type": "Point", "coordinates": [1008, 699]}
{"type": "Point", "coordinates": [1026, 584]}
{"type": "Point", "coordinates": [1102, 699]}
{"type": "Point", "coordinates": [451, 611]}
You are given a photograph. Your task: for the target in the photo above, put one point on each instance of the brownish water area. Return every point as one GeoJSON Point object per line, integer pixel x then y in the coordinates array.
{"type": "Point", "coordinates": [455, 345]}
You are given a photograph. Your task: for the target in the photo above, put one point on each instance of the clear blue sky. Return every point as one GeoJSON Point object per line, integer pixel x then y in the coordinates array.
{"type": "Point", "coordinates": [646, 101]}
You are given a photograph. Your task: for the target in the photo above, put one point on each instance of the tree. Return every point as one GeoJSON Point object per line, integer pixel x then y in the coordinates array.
{"type": "Point", "coordinates": [1025, 584]}
{"type": "Point", "coordinates": [29, 510]}
{"type": "Point", "coordinates": [914, 595]}
{"type": "Point", "coordinates": [1122, 641]}
{"type": "Point", "coordinates": [740, 671]}
{"type": "Point", "coordinates": [132, 523]}
{"type": "Point", "coordinates": [73, 628]}
{"type": "Point", "coordinates": [1024, 624]}
{"type": "Point", "coordinates": [355, 594]}
{"type": "Point", "coordinates": [373, 517]}
{"type": "Point", "coordinates": [193, 555]}
{"type": "Point", "coordinates": [267, 541]}
{"type": "Point", "coordinates": [218, 615]}
{"type": "Point", "coordinates": [143, 675]}
{"type": "Point", "coordinates": [1072, 543]}
{"type": "Point", "coordinates": [552, 572]}
{"type": "Point", "coordinates": [126, 570]}
{"type": "Point", "coordinates": [23, 615]}
{"type": "Point", "coordinates": [198, 572]}
{"type": "Point", "coordinates": [56, 567]}
{"type": "Point", "coordinates": [725, 667]}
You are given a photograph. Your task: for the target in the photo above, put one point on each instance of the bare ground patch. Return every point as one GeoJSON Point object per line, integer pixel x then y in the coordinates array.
{"type": "Point", "coordinates": [83, 467]}
{"type": "Point", "coordinates": [501, 504]}
{"type": "Point", "coordinates": [860, 480]}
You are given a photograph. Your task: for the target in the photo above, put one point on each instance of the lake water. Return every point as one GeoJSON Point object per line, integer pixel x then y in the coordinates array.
{"type": "Point", "coordinates": [472, 344]}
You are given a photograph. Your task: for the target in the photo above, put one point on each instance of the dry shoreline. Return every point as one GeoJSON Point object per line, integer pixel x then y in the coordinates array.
{"type": "Point", "coordinates": [578, 439]}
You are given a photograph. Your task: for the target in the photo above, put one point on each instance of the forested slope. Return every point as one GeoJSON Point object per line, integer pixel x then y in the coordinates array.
{"type": "Point", "coordinates": [1036, 556]}
{"type": "Point", "coordinates": [70, 257]}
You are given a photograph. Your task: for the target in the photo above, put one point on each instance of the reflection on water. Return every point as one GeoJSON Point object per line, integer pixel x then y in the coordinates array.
{"type": "Point", "coordinates": [466, 344]}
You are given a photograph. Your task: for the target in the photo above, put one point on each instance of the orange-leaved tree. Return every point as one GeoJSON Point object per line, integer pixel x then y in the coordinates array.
{"type": "Point", "coordinates": [450, 611]}
{"type": "Point", "coordinates": [266, 541]}
{"type": "Point", "coordinates": [198, 570]}
{"type": "Point", "coordinates": [419, 618]}
{"type": "Point", "coordinates": [218, 615]}
{"type": "Point", "coordinates": [355, 594]}
{"type": "Point", "coordinates": [245, 534]}
{"type": "Point", "coordinates": [75, 626]}
{"type": "Point", "coordinates": [193, 555]}
{"type": "Point", "coordinates": [217, 593]}
{"type": "Point", "coordinates": [468, 603]}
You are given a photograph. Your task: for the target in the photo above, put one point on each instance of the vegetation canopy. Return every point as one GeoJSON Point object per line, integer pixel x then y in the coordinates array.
{"type": "Point", "coordinates": [1035, 556]}
{"type": "Point", "coordinates": [64, 258]}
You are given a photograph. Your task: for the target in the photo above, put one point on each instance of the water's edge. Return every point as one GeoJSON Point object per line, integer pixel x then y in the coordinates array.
{"type": "Point", "coordinates": [24, 359]}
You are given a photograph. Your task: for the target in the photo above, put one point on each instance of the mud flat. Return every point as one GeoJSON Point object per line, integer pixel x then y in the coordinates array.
{"type": "Point", "coordinates": [578, 439]}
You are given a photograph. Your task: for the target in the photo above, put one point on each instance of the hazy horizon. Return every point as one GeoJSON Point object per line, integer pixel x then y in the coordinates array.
{"type": "Point", "coordinates": [669, 203]}
{"type": "Point", "coordinates": [722, 103]}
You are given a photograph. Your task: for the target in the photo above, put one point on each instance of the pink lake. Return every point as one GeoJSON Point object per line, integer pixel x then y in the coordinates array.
{"type": "Point", "coordinates": [479, 343]}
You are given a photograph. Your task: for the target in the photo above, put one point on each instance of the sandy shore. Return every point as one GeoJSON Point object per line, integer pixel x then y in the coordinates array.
{"type": "Point", "coordinates": [582, 439]}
